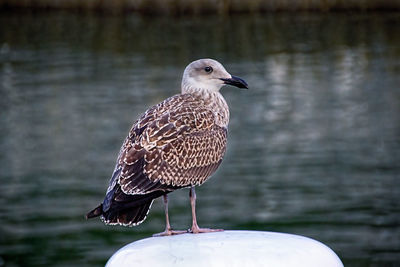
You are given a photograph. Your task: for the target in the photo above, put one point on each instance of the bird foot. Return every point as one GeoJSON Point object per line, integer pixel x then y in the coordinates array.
{"type": "Point", "coordinates": [169, 232]}
{"type": "Point", "coordinates": [198, 230]}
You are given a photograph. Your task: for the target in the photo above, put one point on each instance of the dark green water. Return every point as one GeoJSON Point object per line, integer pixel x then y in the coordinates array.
{"type": "Point", "coordinates": [314, 145]}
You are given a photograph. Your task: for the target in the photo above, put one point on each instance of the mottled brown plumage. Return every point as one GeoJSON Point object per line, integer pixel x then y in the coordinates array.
{"type": "Point", "coordinates": [176, 140]}
{"type": "Point", "coordinates": [178, 143]}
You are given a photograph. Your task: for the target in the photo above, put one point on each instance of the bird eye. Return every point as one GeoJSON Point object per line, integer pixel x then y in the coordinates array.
{"type": "Point", "coordinates": [208, 69]}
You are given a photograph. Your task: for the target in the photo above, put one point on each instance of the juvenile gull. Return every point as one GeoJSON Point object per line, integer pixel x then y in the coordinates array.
{"type": "Point", "coordinates": [176, 144]}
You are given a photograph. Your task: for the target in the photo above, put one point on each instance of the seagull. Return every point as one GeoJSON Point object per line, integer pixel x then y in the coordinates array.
{"type": "Point", "coordinates": [178, 143]}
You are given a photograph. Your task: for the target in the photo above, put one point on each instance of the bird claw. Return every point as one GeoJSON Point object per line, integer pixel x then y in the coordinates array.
{"type": "Point", "coordinates": [169, 232]}
{"type": "Point", "coordinates": [193, 230]}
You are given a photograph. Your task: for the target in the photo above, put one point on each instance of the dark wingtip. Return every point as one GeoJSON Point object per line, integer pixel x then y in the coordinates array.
{"type": "Point", "coordinates": [95, 212]}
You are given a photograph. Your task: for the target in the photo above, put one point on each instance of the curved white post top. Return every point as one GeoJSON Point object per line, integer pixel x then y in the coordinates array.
{"type": "Point", "coordinates": [228, 248]}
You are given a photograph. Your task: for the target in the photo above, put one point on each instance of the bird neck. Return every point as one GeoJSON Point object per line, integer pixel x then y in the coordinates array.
{"type": "Point", "coordinates": [189, 85]}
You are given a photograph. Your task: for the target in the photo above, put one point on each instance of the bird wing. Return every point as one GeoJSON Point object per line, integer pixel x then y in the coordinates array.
{"type": "Point", "coordinates": [174, 144]}
{"type": "Point", "coordinates": [188, 160]}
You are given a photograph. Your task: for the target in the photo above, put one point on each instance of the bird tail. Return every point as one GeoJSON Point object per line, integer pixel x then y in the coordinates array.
{"type": "Point", "coordinates": [95, 212]}
{"type": "Point", "coordinates": [127, 217]}
{"type": "Point", "coordinates": [131, 211]}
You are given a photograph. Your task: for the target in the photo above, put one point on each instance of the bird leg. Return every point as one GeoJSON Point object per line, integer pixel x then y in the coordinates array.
{"type": "Point", "coordinates": [168, 231]}
{"type": "Point", "coordinates": [195, 227]}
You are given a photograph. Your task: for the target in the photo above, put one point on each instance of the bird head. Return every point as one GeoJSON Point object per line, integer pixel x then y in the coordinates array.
{"type": "Point", "coordinates": [208, 74]}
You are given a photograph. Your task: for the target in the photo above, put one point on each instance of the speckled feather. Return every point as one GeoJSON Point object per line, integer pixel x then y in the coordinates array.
{"type": "Point", "coordinates": [177, 143]}
{"type": "Point", "coordinates": [180, 142]}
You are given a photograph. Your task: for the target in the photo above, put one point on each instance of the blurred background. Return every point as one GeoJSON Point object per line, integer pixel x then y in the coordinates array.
{"type": "Point", "coordinates": [314, 145]}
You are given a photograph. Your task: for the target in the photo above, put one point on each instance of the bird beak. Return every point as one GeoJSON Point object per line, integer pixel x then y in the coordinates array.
{"type": "Point", "coordinates": [235, 81]}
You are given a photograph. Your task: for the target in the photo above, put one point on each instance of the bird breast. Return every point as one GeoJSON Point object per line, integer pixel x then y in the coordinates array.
{"type": "Point", "coordinates": [216, 102]}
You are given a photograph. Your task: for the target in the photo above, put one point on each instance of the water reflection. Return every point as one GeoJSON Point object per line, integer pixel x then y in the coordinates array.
{"type": "Point", "coordinates": [314, 145]}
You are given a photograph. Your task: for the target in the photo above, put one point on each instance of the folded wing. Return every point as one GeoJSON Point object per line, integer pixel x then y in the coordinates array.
{"type": "Point", "coordinates": [174, 144]}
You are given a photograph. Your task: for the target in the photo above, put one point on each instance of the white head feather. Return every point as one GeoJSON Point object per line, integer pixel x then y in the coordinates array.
{"type": "Point", "coordinates": [204, 74]}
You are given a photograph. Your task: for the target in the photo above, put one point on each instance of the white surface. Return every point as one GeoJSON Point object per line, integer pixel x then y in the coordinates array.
{"type": "Point", "coordinates": [228, 248]}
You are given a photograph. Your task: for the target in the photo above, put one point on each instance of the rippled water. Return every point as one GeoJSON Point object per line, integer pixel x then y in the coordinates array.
{"type": "Point", "coordinates": [314, 145]}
